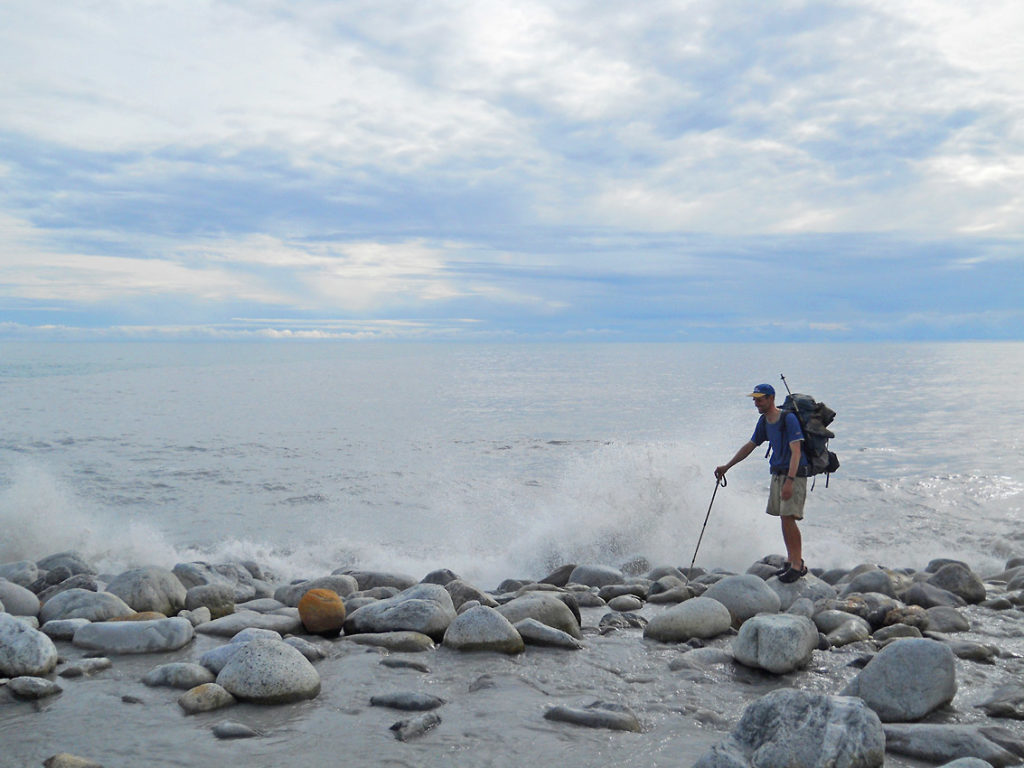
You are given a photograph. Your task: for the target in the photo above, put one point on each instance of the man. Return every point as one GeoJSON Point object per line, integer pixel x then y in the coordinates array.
{"type": "Point", "coordinates": [789, 474]}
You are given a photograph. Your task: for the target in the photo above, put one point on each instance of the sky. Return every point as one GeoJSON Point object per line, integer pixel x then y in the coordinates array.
{"type": "Point", "coordinates": [666, 170]}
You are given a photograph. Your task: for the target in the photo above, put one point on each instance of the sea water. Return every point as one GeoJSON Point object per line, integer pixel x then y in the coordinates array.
{"type": "Point", "coordinates": [500, 460]}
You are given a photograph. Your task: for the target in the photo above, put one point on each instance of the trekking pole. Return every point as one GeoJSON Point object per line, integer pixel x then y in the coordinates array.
{"type": "Point", "coordinates": [719, 481]}
{"type": "Point", "coordinates": [785, 384]}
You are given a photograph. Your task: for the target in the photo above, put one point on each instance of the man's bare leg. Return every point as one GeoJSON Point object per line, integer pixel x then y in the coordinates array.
{"type": "Point", "coordinates": [793, 540]}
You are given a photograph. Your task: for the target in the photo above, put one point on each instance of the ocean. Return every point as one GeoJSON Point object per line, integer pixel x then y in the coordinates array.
{"type": "Point", "coordinates": [500, 460]}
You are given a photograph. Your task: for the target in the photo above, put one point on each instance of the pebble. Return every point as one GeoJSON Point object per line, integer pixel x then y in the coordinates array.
{"type": "Point", "coordinates": [409, 701]}
{"type": "Point", "coordinates": [86, 667]}
{"type": "Point", "coordinates": [229, 729]}
{"type": "Point", "coordinates": [33, 687]}
{"type": "Point", "coordinates": [417, 726]}
{"type": "Point", "coordinates": [600, 714]}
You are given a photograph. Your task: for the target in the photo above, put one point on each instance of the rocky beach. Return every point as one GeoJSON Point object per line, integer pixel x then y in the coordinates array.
{"type": "Point", "coordinates": [222, 663]}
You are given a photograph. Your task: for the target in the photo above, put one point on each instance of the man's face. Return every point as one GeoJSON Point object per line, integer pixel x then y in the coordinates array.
{"type": "Point", "coordinates": [763, 403]}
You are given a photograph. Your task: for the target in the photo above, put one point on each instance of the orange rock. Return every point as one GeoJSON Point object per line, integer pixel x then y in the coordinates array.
{"type": "Point", "coordinates": [322, 612]}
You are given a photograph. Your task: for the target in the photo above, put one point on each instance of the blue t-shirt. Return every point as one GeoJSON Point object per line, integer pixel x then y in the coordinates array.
{"type": "Point", "coordinates": [773, 433]}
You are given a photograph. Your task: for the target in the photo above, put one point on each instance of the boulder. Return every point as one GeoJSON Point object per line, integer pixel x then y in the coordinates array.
{"type": "Point", "coordinates": [961, 581]}
{"type": "Point", "coordinates": [86, 667]}
{"type": "Point", "coordinates": [269, 672]}
{"type": "Point", "coordinates": [372, 579]}
{"type": "Point", "coordinates": [63, 629]}
{"type": "Point", "coordinates": [322, 612]}
{"type": "Point", "coordinates": [853, 631]}
{"type": "Point", "coordinates": [463, 592]}
{"type": "Point", "coordinates": [907, 680]}
{"type": "Point", "coordinates": [342, 585]}
{"type": "Point", "coordinates": [941, 743]}
{"type": "Point", "coordinates": [440, 576]}
{"type": "Point", "coordinates": [745, 596]}
{"type": "Point", "coordinates": [895, 632]}
{"type": "Point", "coordinates": [424, 608]}
{"type": "Point", "coordinates": [407, 642]}
{"type": "Point", "coordinates": [929, 595]}
{"type": "Point", "coordinates": [1006, 701]}
{"type": "Point", "coordinates": [535, 632]}
{"type": "Point", "coordinates": [219, 599]}
{"type": "Point", "coordinates": [700, 617]}
{"type": "Point", "coordinates": [33, 687]}
{"type": "Point", "coordinates": [229, 626]}
{"type": "Point", "coordinates": [23, 650]}
{"type": "Point", "coordinates": [205, 697]}
{"type": "Point", "coordinates": [830, 620]}
{"type": "Point", "coordinates": [776, 644]}
{"type": "Point", "coordinates": [150, 588]}
{"type": "Point", "coordinates": [595, 575]}
{"type": "Point", "coordinates": [135, 636]}
{"type": "Point", "coordinates": [547, 608]}
{"type": "Point", "coordinates": [810, 586]}
{"type": "Point", "coordinates": [215, 659]}
{"type": "Point", "coordinates": [17, 600]}
{"type": "Point", "coordinates": [876, 580]}
{"type": "Point", "coordinates": [944, 618]}
{"type": "Point", "coordinates": [483, 629]}
{"type": "Point", "coordinates": [74, 561]}
{"type": "Point", "coordinates": [615, 717]}
{"type": "Point", "coordinates": [22, 572]}
{"type": "Point", "coordinates": [84, 581]}
{"type": "Point", "coordinates": [789, 727]}
{"type": "Point", "coordinates": [626, 603]}
{"type": "Point", "coordinates": [178, 674]}
{"type": "Point", "coordinates": [560, 576]}
{"type": "Point", "coordinates": [407, 701]}
{"type": "Point", "coordinates": [67, 760]}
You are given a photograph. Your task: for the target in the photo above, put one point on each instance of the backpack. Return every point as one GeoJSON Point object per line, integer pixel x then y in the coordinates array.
{"type": "Point", "coordinates": [814, 418]}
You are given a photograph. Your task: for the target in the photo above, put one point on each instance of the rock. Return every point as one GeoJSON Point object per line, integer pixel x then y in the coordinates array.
{"type": "Point", "coordinates": [86, 667]}
{"type": "Point", "coordinates": [928, 596]}
{"type": "Point", "coordinates": [228, 729]}
{"type": "Point", "coordinates": [942, 743]}
{"type": "Point", "coordinates": [535, 632]}
{"type": "Point", "coordinates": [911, 615]}
{"type": "Point", "coordinates": [262, 605]}
{"type": "Point", "coordinates": [745, 596]}
{"type": "Point", "coordinates": [62, 629]}
{"type": "Point", "coordinates": [597, 715]}
{"type": "Point", "coordinates": [179, 675]}
{"type": "Point", "coordinates": [853, 631]}
{"type": "Point", "coordinates": [198, 616]}
{"type": "Point", "coordinates": [84, 581]}
{"type": "Point", "coordinates": [625, 603]}
{"type": "Point", "coordinates": [789, 727]}
{"type": "Point", "coordinates": [33, 687]}
{"type": "Point", "coordinates": [830, 620]}
{"type": "Point", "coordinates": [84, 604]}
{"type": "Point", "coordinates": [634, 589]}
{"type": "Point", "coordinates": [677, 594]}
{"type": "Point", "coordinates": [616, 620]}
{"type": "Point", "coordinates": [218, 599]}
{"type": "Point", "coordinates": [546, 608]}
{"type": "Point", "coordinates": [595, 575]}
{"type": "Point", "coordinates": [802, 607]}
{"type": "Point", "coordinates": [961, 581]}
{"type": "Point", "coordinates": [1005, 701]}
{"type": "Point", "coordinates": [944, 618]}
{"type": "Point", "coordinates": [424, 608]}
{"type": "Point", "coordinates": [463, 592]}
{"type": "Point", "coordinates": [322, 612]}
{"type": "Point", "coordinates": [416, 726]}
{"type": "Point", "coordinates": [440, 576]}
{"type": "Point", "coordinates": [408, 701]}
{"type": "Point", "coordinates": [22, 572]}
{"type": "Point", "coordinates": [269, 672]}
{"type": "Point", "coordinates": [229, 626]}
{"type": "Point", "coordinates": [402, 641]}
{"type": "Point", "coordinates": [135, 636]}
{"type": "Point", "coordinates": [968, 762]}
{"type": "Point", "coordinates": [895, 632]}
{"type": "Point", "coordinates": [560, 576]}
{"type": "Point", "coordinates": [342, 585]}
{"type": "Point", "coordinates": [150, 588]}
{"type": "Point", "coordinates": [397, 663]}
{"type": "Point", "coordinates": [700, 617]}
{"type": "Point", "coordinates": [588, 600]}
{"type": "Point", "coordinates": [66, 760]}
{"type": "Point", "coordinates": [24, 651]}
{"type": "Point", "coordinates": [71, 560]}
{"type": "Point", "coordinates": [874, 580]}
{"type": "Point", "coordinates": [777, 644]}
{"type": "Point", "coordinates": [17, 600]}
{"type": "Point", "coordinates": [906, 680]}
{"type": "Point", "coordinates": [970, 651]}
{"type": "Point", "coordinates": [255, 633]}
{"type": "Point", "coordinates": [701, 658]}
{"type": "Point", "coordinates": [877, 608]}
{"type": "Point", "coordinates": [372, 579]}
{"type": "Point", "coordinates": [306, 648]}
{"type": "Point", "coordinates": [483, 629]}
{"type": "Point", "coordinates": [205, 698]}
{"type": "Point", "coordinates": [810, 586]}
{"type": "Point", "coordinates": [217, 658]}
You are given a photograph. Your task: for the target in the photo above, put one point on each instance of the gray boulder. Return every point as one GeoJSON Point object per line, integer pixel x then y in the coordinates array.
{"type": "Point", "coordinates": [22, 572]}
{"type": "Point", "coordinates": [483, 629]}
{"type": "Point", "coordinates": [907, 680]}
{"type": "Point", "coordinates": [84, 581]}
{"type": "Point", "coordinates": [595, 575]}
{"type": "Point", "coordinates": [929, 595]}
{"type": "Point", "coordinates": [945, 618]}
{"type": "Point", "coordinates": [423, 608]}
{"type": "Point", "coordinates": [810, 586]}
{"type": "Point", "coordinates": [404, 642]}
{"type": "Point", "coordinates": [23, 650]}
{"type": "Point", "coordinates": [178, 674]}
{"type": "Point", "coordinates": [63, 629]}
{"type": "Point", "coordinates": [218, 598]}
{"type": "Point", "coordinates": [150, 588]}
{"type": "Point", "coordinates": [626, 603]}
{"type": "Point", "coordinates": [875, 580]}
{"type": "Point", "coordinates": [372, 579]}
{"type": "Point", "coordinates": [269, 672]}
{"type": "Point", "coordinates": [941, 743]}
{"type": "Point", "coordinates": [789, 727]}
{"type": "Point", "coordinates": [153, 636]}
{"type": "Point", "coordinates": [546, 608]}
{"type": "Point", "coordinates": [700, 617]}
{"type": "Point", "coordinates": [1006, 701]}
{"type": "Point", "coordinates": [745, 596]}
{"type": "Point", "coordinates": [17, 600]}
{"type": "Point", "coordinates": [830, 620]}
{"type": "Point", "coordinates": [961, 581]}
{"type": "Point", "coordinates": [205, 697]}
{"type": "Point", "coordinates": [229, 626]}
{"type": "Point", "coordinates": [615, 717]}
{"type": "Point", "coordinates": [777, 644]}
{"type": "Point", "coordinates": [74, 561]}
{"type": "Point", "coordinates": [31, 687]}
{"type": "Point", "coordinates": [462, 592]}
{"type": "Point", "coordinates": [342, 585]}
{"type": "Point", "coordinates": [535, 632]}
{"type": "Point", "coordinates": [216, 658]}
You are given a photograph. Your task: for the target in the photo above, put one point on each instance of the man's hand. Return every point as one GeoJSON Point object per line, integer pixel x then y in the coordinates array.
{"type": "Point", "coordinates": [787, 489]}
{"type": "Point", "coordinates": [720, 471]}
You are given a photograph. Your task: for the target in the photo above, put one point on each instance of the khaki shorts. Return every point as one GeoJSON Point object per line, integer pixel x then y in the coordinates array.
{"type": "Point", "coordinates": [795, 506]}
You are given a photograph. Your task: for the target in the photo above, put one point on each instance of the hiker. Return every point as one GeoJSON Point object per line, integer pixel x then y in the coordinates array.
{"type": "Point", "coordinates": [788, 468]}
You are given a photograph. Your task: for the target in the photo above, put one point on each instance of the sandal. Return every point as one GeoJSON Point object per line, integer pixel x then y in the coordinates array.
{"type": "Point", "coordinates": [783, 569]}
{"type": "Point", "coordinates": [792, 574]}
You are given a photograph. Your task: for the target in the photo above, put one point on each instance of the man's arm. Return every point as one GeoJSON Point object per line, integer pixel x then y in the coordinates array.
{"type": "Point", "coordinates": [794, 467]}
{"type": "Point", "coordinates": [745, 450]}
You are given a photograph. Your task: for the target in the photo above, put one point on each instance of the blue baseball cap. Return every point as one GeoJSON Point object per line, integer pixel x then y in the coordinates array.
{"type": "Point", "coordinates": [761, 390]}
